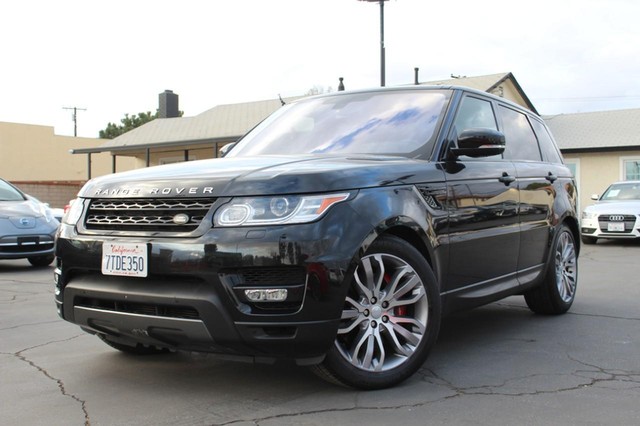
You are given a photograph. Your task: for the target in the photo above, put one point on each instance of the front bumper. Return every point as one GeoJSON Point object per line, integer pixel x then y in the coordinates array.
{"type": "Point", "coordinates": [611, 226]}
{"type": "Point", "coordinates": [23, 246]}
{"type": "Point", "coordinates": [194, 299]}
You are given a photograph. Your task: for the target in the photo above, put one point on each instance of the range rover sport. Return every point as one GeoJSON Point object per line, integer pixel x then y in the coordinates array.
{"type": "Point", "coordinates": [337, 233]}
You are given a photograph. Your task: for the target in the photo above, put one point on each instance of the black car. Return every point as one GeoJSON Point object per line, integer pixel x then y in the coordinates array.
{"type": "Point", "coordinates": [336, 233]}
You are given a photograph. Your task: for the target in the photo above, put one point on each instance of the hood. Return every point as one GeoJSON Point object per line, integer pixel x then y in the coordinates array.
{"type": "Point", "coordinates": [264, 175]}
{"type": "Point", "coordinates": [25, 208]}
{"type": "Point", "coordinates": [25, 214]}
{"type": "Point", "coordinates": [615, 207]}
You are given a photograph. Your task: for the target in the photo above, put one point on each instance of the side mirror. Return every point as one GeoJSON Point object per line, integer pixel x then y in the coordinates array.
{"type": "Point", "coordinates": [595, 197]}
{"type": "Point", "coordinates": [479, 143]}
{"type": "Point", "coordinates": [225, 149]}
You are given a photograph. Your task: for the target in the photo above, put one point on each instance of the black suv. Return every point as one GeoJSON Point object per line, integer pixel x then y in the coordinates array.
{"type": "Point", "coordinates": [336, 233]}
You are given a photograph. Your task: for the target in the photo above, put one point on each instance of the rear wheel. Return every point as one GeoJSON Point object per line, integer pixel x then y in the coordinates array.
{"type": "Point", "coordinates": [40, 261]}
{"type": "Point", "coordinates": [390, 319]}
{"type": "Point", "coordinates": [558, 290]}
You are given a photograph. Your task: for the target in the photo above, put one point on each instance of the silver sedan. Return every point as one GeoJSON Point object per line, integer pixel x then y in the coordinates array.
{"type": "Point", "coordinates": [27, 227]}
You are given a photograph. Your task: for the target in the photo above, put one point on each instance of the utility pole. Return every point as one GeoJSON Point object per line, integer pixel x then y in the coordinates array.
{"type": "Point", "coordinates": [75, 118]}
{"type": "Point", "coordinates": [382, 48]}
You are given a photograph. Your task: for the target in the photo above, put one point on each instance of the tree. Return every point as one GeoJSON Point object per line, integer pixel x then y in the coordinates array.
{"type": "Point", "coordinates": [128, 123]}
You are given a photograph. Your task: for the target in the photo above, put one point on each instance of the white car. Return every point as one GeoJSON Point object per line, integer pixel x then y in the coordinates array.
{"type": "Point", "coordinates": [615, 215]}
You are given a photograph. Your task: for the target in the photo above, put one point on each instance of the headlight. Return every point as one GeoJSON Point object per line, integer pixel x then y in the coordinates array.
{"type": "Point", "coordinates": [589, 215]}
{"type": "Point", "coordinates": [275, 210]}
{"type": "Point", "coordinates": [72, 215]}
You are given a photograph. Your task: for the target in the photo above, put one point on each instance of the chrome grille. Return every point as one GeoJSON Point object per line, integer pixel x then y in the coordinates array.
{"type": "Point", "coordinates": [147, 215]}
{"type": "Point", "coordinates": [628, 219]}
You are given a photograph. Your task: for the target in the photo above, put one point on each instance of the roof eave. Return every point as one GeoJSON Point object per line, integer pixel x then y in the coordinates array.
{"type": "Point", "coordinates": [139, 147]}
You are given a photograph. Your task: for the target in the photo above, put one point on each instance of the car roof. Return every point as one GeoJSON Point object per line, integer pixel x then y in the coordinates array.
{"type": "Point", "coordinates": [425, 88]}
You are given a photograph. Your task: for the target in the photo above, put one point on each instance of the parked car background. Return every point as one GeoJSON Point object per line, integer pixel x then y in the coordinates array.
{"type": "Point", "coordinates": [615, 215]}
{"type": "Point", "coordinates": [56, 212]}
{"type": "Point", "coordinates": [27, 227]}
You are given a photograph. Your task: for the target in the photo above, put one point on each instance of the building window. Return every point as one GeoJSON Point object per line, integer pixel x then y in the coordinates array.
{"type": "Point", "coordinates": [630, 168]}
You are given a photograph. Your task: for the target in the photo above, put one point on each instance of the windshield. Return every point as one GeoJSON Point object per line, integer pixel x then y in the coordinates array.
{"type": "Point", "coordinates": [622, 191]}
{"type": "Point", "coordinates": [9, 193]}
{"type": "Point", "coordinates": [400, 122]}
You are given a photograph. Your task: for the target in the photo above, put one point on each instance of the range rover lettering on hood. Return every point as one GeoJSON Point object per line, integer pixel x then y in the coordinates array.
{"type": "Point", "coordinates": [194, 190]}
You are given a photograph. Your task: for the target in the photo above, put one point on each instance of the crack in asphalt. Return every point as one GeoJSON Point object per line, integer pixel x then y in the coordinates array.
{"type": "Point", "coordinates": [33, 293]}
{"type": "Point", "coordinates": [29, 325]}
{"type": "Point", "coordinates": [586, 374]}
{"type": "Point", "coordinates": [59, 382]}
{"type": "Point", "coordinates": [9, 297]}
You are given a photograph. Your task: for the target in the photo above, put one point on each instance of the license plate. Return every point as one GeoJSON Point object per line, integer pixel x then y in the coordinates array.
{"type": "Point", "coordinates": [124, 259]}
{"type": "Point", "coordinates": [615, 226]}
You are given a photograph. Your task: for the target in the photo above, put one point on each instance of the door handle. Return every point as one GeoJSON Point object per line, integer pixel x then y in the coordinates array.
{"type": "Point", "coordinates": [506, 178]}
{"type": "Point", "coordinates": [551, 177]}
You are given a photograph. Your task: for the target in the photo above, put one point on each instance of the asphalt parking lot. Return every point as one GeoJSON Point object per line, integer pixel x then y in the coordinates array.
{"type": "Point", "coordinates": [496, 365]}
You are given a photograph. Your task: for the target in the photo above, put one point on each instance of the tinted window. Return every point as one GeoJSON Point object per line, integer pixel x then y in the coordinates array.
{"type": "Point", "coordinates": [475, 113]}
{"type": "Point", "coordinates": [394, 122]}
{"type": "Point", "coordinates": [520, 140]}
{"type": "Point", "coordinates": [547, 146]}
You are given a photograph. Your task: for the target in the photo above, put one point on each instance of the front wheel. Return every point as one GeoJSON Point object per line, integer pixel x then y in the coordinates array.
{"type": "Point", "coordinates": [558, 290]}
{"type": "Point", "coordinates": [390, 319]}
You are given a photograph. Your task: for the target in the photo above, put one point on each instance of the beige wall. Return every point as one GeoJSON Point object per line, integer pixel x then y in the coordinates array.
{"type": "Point", "coordinates": [596, 171]}
{"type": "Point", "coordinates": [34, 153]}
{"type": "Point", "coordinates": [177, 155]}
{"type": "Point", "coordinates": [40, 163]}
{"type": "Point", "coordinates": [508, 90]}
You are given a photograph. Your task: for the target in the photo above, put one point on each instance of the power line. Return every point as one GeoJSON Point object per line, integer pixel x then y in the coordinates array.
{"type": "Point", "coordinates": [74, 117]}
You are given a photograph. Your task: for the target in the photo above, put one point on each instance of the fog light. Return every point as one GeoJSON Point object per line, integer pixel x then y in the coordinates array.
{"type": "Point", "coordinates": [266, 295]}
{"type": "Point", "coordinates": [56, 279]}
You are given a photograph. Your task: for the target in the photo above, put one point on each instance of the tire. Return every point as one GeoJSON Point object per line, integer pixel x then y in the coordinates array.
{"type": "Point", "coordinates": [41, 261]}
{"type": "Point", "coordinates": [557, 292]}
{"type": "Point", "coordinates": [390, 319]}
{"type": "Point", "coordinates": [138, 349]}
{"type": "Point", "coordinates": [588, 240]}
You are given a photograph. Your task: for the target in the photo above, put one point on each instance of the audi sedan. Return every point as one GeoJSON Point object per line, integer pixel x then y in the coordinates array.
{"type": "Point", "coordinates": [27, 227]}
{"type": "Point", "coordinates": [615, 215]}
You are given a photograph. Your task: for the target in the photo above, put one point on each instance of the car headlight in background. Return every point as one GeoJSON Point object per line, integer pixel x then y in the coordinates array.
{"type": "Point", "coordinates": [72, 215]}
{"type": "Point", "coordinates": [589, 215]}
{"type": "Point", "coordinates": [275, 210]}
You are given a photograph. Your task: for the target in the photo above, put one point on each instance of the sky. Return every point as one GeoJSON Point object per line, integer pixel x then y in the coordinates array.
{"type": "Point", "coordinates": [111, 58]}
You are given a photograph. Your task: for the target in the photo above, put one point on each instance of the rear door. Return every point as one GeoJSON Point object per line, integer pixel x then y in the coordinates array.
{"type": "Point", "coordinates": [536, 180]}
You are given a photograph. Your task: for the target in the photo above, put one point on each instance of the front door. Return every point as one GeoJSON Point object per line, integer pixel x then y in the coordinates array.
{"type": "Point", "coordinates": [483, 204]}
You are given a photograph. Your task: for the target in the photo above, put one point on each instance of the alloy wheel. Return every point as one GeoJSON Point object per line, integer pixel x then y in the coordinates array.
{"type": "Point", "coordinates": [385, 314]}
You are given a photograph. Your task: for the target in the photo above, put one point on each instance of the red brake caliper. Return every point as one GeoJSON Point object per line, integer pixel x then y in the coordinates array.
{"type": "Point", "coordinates": [398, 311]}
